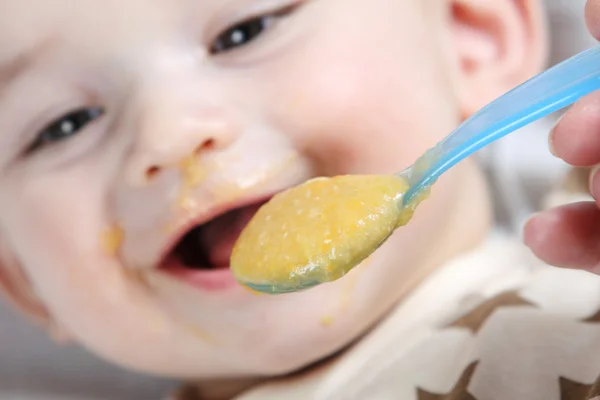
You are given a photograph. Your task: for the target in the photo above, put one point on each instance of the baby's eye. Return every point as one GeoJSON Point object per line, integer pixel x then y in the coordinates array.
{"type": "Point", "coordinates": [249, 29]}
{"type": "Point", "coordinates": [65, 127]}
{"type": "Point", "coordinates": [241, 34]}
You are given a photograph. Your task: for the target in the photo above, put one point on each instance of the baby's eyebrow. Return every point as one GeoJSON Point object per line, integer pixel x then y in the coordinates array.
{"type": "Point", "coordinates": [11, 70]}
{"type": "Point", "coordinates": [14, 66]}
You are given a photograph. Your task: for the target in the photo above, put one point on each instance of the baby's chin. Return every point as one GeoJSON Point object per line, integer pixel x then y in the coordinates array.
{"type": "Point", "coordinates": [253, 335]}
{"type": "Point", "coordinates": [321, 338]}
{"type": "Point", "coordinates": [299, 356]}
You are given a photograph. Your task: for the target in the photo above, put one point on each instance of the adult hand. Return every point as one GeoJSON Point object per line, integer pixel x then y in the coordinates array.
{"type": "Point", "coordinates": [569, 236]}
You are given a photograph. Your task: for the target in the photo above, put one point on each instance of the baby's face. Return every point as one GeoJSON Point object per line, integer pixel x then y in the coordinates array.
{"type": "Point", "coordinates": [138, 137]}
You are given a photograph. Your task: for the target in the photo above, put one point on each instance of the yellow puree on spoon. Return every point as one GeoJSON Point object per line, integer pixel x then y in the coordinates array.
{"type": "Point", "coordinates": [318, 231]}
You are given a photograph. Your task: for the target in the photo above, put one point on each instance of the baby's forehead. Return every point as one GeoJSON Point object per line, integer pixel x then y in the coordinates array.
{"type": "Point", "coordinates": [27, 25]}
{"type": "Point", "coordinates": [21, 26]}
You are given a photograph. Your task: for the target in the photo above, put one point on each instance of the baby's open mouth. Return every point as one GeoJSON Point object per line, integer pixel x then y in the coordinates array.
{"type": "Point", "coordinates": [201, 257]}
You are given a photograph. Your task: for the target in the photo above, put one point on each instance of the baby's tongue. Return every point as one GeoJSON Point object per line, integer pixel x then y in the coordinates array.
{"type": "Point", "coordinates": [218, 236]}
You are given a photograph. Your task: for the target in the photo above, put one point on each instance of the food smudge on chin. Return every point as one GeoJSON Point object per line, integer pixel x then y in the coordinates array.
{"type": "Point", "coordinates": [111, 240]}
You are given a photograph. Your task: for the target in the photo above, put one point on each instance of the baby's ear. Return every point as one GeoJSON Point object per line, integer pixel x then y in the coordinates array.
{"type": "Point", "coordinates": [17, 288]}
{"type": "Point", "coordinates": [498, 44]}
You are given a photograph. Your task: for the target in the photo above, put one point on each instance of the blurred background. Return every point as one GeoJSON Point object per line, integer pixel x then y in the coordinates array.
{"type": "Point", "coordinates": [34, 367]}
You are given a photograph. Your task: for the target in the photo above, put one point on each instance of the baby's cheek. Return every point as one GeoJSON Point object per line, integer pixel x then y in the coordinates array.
{"type": "Point", "coordinates": [58, 238]}
{"type": "Point", "coordinates": [95, 299]}
{"type": "Point", "coordinates": [349, 124]}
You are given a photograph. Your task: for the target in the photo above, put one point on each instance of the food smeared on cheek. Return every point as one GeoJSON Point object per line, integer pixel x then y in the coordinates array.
{"type": "Point", "coordinates": [350, 285]}
{"type": "Point", "coordinates": [111, 240]}
{"type": "Point", "coordinates": [200, 334]}
{"type": "Point", "coordinates": [318, 231]}
{"type": "Point", "coordinates": [224, 191]}
{"type": "Point", "coordinates": [195, 172]}
{"type": "Point", "coordinates": [193, 175]}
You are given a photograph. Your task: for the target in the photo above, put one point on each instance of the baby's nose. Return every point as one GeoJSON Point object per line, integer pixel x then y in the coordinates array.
{"type": "Point", "coordinates": [169, 132]}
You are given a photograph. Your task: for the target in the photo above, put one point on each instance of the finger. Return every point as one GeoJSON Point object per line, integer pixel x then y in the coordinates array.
{"type": "Point", "coordinates": [576, 137]}
{"type": "Point", "coordinates": [592, 17]}
{"type": "Point", "coordinates": [594, 184]}
{"type": "Point", "coordinates": [567, 236]}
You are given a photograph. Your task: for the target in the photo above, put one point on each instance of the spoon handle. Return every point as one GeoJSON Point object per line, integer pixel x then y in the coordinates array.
{"type": "Point", "coordinates": [550, 91]}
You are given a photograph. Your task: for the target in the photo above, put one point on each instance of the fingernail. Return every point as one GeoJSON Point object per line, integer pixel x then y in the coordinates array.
{"type": "Point", "coordinates": [551, 142]}
{"type": "Point", "coordinates": [552, 134]}
{"type": "Point", "coordinates": [526, 237]}
{"type": "Point", "coordinates": [531, 217]}
{"type": "Point", "coordinates": [592, 179]}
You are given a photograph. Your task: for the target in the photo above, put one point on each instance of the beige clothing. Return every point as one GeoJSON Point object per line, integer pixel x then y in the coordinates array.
{"type": "Point", "coordinates": [492, 325]}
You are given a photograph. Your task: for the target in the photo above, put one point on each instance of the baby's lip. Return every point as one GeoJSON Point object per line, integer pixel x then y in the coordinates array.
{"type": "Point", "coordinates": [203, 217]}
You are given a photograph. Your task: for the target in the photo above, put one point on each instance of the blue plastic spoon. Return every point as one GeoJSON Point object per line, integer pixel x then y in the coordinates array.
{"type": "Point", "coordinates": [273, 257]}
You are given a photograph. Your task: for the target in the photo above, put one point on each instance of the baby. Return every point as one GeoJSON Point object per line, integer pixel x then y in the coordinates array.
{"type": "Point", "coordinates": [139, 137]}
